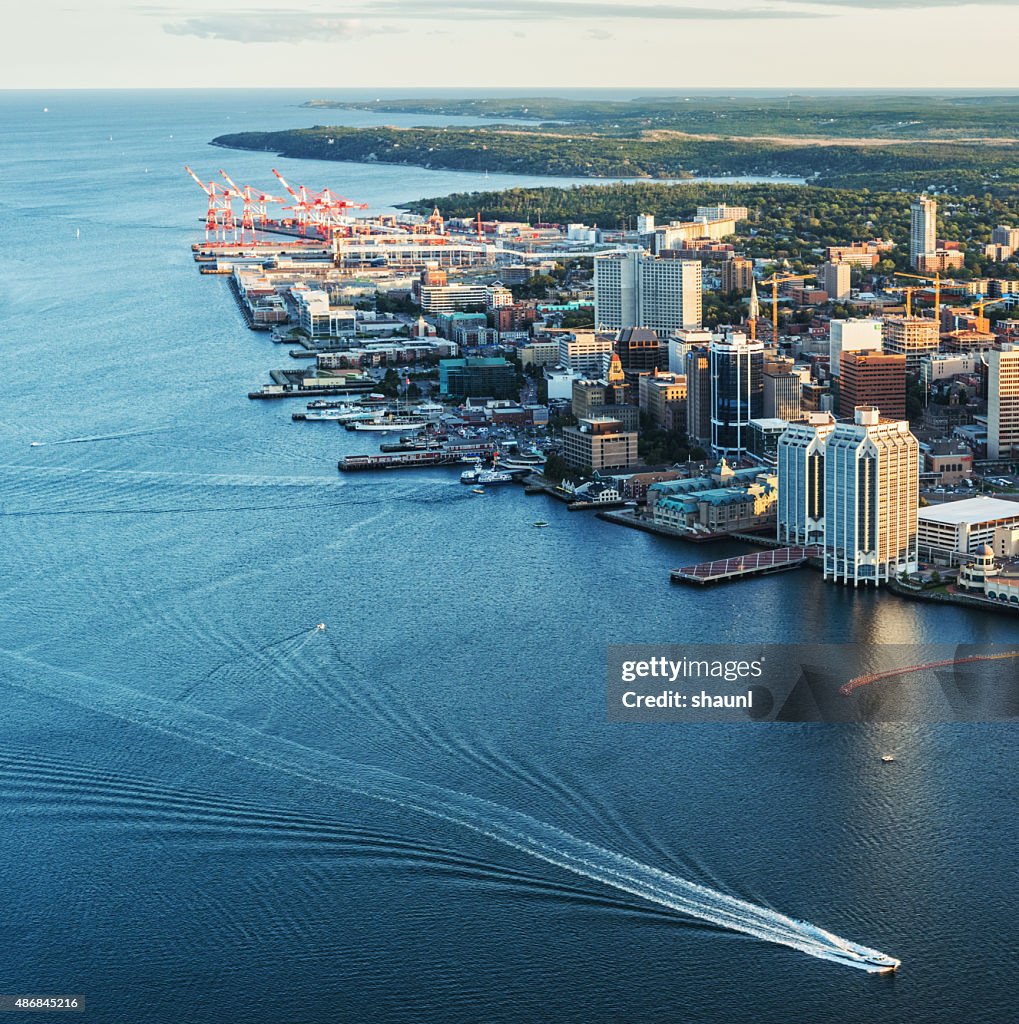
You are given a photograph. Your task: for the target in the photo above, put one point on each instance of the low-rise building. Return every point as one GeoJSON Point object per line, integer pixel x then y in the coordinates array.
{"type": "Point", "coordinates": [983, 578]}
{"type": "Point", "coordinates": [949, 460]}
{"type": "Point", "coordinates": [730, 503]}
{"type": "Point", "coordinates": [540, 352]}
{"type": "Point", "coordinates": [963, 526]}
{"type": "Point", "coordinates": [477, 377]}
{"type": "Point", "coordinates": [600, 444]}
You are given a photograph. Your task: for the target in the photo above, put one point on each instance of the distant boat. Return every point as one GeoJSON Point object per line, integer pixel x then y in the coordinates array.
{"type": "Point", "coordinates": [539, 523]}
{"type": "Point", "coordinates": [36, 444]}
{"type": "Point", "coordinates": [77, 233]}
{"type": "Point", "coordinates": [321, 627]}
{"type": "Point", "coordinates": [887, 758]}
{"type": "Point", "coordinates": [477, 490]}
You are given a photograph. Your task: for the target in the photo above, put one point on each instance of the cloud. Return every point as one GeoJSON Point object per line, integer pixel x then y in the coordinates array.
{"type": "Point", "coordinates": [357, 17]}
{"type": "Point", "coordinates": [349, 19]}
{"type": "Point", "coordinates": [267, 27]}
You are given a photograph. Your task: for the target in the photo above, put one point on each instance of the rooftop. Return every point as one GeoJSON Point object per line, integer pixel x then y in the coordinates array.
{"type": "Point", "coordinates": [970, 510]}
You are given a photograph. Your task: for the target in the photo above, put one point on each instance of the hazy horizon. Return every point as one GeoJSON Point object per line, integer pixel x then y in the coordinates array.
{"type": "Point", "coordinates": [733, 46]}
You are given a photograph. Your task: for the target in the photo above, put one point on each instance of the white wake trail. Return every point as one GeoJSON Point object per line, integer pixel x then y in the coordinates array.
{"type": "Point", "coordinates": [513, 828]}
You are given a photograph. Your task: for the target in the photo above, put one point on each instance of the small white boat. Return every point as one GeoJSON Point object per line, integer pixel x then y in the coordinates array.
{"type": "Point", "coordinates": [887, 758]}
{"type": "Point", "coordinates": [36, 444]}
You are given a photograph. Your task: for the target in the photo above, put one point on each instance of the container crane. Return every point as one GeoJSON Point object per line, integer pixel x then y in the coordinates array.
{"type": "Point", "coordinates": [219, 215]}
{"type": "Point", "coordinates": [255, 205]}
{"type": "Point", "coordinates": [302, 204]}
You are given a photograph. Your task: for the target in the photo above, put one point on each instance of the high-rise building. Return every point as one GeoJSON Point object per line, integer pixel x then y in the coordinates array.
{"type": "Point", "coordinates": [680, 342]}
{"type": "Point", "coordinates": [834, 279]}
{"type": "Point", "coordinates": [1003, 402]}
{"type": "Point", "coordinates": [635, 289]}
{"type": "Point", "coordinates": [737, 274]}
{"type": "Point", "coordinates": [640, 350]}
{"type": "Point", "coordinates": [737, 391]}
{"type": "Point", "coordinates": [1004, 235]}
{"type": "Point", "coordinates": [873, 378]}
{"type": "Point", "coordinates": [659, 391]}
{"type": "Point", "coordinates": [940, 261]}
{"type": "Point", "coordinates": [855, 334]}
{"type": "Point", "coordinates": [911, 336]}
{"type": "Point", "coordinates": [872, 480]}
{"type": "Point", "coordinates": [698, 395]}
{"type": "Point", "coordinates": [722, 212]}
{"type": "Point", "coordinates": [923, 229]}
{"type": "Point", "coordinates": [585, 352]}
{"type": "Point", "coordinates": [782, 394]}
{"type": "Point", "coordinates": [801, 479]}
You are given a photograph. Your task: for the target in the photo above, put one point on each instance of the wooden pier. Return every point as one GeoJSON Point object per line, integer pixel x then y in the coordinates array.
{"type": "Point", "coordinates": [760, 563]}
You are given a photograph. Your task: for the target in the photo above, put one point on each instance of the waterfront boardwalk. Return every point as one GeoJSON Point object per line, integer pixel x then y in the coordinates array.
{"type": "Point", "coordinates": [759, 563]}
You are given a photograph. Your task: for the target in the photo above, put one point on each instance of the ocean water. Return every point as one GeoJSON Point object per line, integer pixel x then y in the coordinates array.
{"type": "Point", "coordinates": [213, 811]}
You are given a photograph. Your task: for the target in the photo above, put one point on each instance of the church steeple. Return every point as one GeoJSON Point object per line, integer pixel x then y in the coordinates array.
{"type": "Point", "coordinates": [754, 310]}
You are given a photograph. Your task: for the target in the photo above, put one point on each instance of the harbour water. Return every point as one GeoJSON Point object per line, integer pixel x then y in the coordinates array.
{"type": "Point", "coordinates": [166, 554]}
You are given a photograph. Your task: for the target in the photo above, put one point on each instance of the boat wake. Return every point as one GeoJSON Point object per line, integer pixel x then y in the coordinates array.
{"type": "Point", "coordinates": [514, 829]}
{"type": "Point", "coordinates": [89, 439]}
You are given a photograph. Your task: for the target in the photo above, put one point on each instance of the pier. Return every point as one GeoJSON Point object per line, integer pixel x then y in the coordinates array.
{"type": "Point", "coordinates": [760, 563]}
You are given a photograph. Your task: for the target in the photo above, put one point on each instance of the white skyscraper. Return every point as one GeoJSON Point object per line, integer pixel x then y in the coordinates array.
{"type": "Point", "coordinates": [871, 499]}
{"type": "Point", "coordinates": [923, 228]}
{"type": "Point", "coordinates": [801, 479]}
{"type": "Point", "coordinates": [852, 335]}
{"type": "Point", "coordinates": [1003, 402]}
{"type": "Point", "coordinates": [635, 289]}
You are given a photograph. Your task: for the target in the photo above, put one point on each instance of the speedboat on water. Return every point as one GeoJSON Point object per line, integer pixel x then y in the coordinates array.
{"type": "Point", "coordinates": [35, 444]}
{"type": "Point", "coordinates": [881, 964]}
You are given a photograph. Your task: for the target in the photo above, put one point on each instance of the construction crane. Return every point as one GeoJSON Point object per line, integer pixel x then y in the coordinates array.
{"type": "Point", "coordinates": [219, 215]}
{"type": "Point", "coordinates": [982, 323]}
{"type": "Point", "coordinates": [775, 280]}
{"type": "Point", "coordinates": [936, 280]}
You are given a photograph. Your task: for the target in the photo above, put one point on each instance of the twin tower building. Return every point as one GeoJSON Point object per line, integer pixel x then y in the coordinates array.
{"type": "Point", "coordinates": [853, 490]}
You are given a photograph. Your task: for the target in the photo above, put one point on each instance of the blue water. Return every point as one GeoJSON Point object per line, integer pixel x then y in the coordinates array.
{"type": "Point", "coordinates": [164, 557]}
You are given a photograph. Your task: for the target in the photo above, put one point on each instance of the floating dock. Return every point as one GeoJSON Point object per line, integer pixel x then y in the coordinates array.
{"type": "Point", "coordinates": [760, 563]}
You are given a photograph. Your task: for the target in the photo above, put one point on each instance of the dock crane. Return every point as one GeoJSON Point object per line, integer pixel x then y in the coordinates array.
{"type": "Point", "coordinates": [219, 215]}
{"type": "Point", "coordinates": [254, 206]}
{"type": "Point", "coordinates": [302, 203]}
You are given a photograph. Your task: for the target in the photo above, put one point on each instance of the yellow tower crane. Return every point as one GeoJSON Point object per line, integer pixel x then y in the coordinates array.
{"type": "Point", "coordinates": [775, 280]}
{"type": "Point", "coordinates": [935, 280]}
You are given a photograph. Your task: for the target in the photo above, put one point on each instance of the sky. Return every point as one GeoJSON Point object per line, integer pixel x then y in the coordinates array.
{"type": "Point", "coordinates": [525, 44]}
